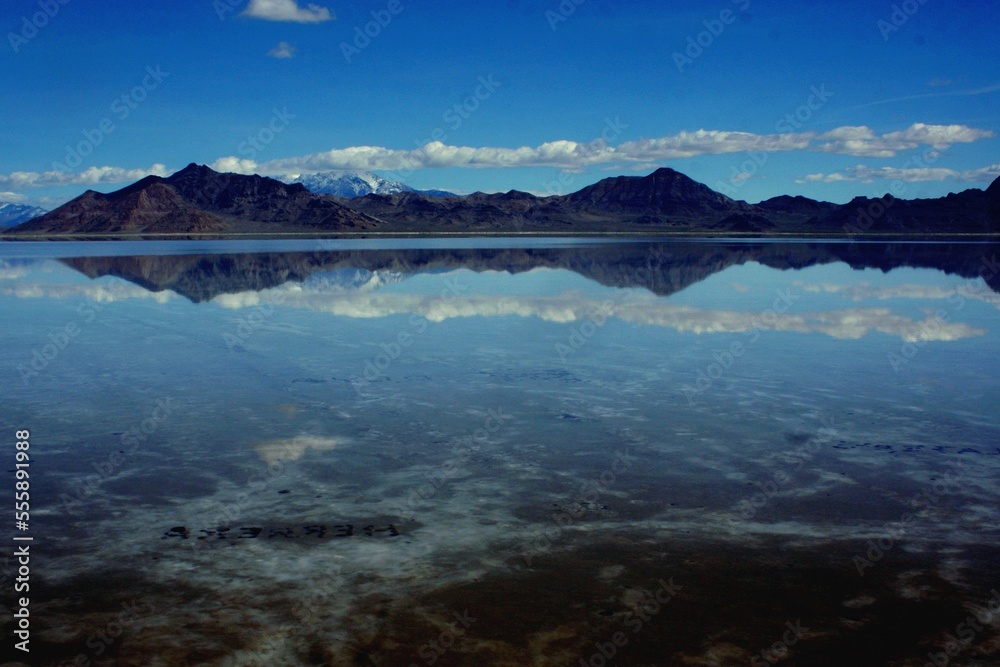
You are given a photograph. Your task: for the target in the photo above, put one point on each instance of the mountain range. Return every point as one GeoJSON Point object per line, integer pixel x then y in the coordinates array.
{"type": "Point", "coordinates": [14, 214]}
{"type": "Point", "coordinates": [200, 201]}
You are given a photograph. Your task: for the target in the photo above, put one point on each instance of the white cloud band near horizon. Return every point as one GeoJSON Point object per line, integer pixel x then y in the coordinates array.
{"type": "Point", "coordinates": [860, 141]}
{"type": "Point", "coordinates": [572, 155]}
{"type": "Point", "coordinates": [866, 174]}
{"type": "Point", "coordinates": [90, 176]}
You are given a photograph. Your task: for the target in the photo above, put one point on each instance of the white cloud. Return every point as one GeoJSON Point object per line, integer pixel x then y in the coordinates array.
{"type": "Point", "coordinates": [868, 174]}
{"type": "Point", "coordinates": [862, 141]}
{"type": "Point", "coordinates": [574, 156]}
{"type": "Point", "coordinates": [234, 165]}
{"type": "Point", "coordinates": [976, 290]}
{"type": "Point", "coordinates": [851, 323]}
{"type": "Point", "coordinates": [111, 292]}
{"type": "Point", "coordinates": [292, 449]}
{"type": "Point", "coordinates": [564, 154]}
{"type": "Point", "coordinates": [13, 197]}
{"type": "Point", "coordinates": [567, 154]}
{"type": "Point", "coordinates": [710, 142]}
{"type": "Point", "coordinates": [89, 176]}
{"type": "Point", "coordinates": [822, 178]}
{"type": "Point", "coordinates": [286, 10]}
{"type": "Point", "coordinates": [9, 271]}
{"type": "Point", "coordinates": [282, 51]}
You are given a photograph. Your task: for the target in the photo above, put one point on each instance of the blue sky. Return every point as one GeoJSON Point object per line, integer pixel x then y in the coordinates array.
{"type": "Point", "coordinates": [753, 98]}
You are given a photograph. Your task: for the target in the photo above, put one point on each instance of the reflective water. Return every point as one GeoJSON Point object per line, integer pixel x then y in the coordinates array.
{"type": "Point", "coordinates": [511, 452]}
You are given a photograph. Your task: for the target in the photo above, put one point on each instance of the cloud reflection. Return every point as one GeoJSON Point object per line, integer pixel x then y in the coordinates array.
{"type": "Point", "coordinates": [107, 293]}
{"type": "Point", "coordinates": [975, 290]}
{"type": "Point", "coordinates": [568, 308]}
{"type": "Point", "coordinates": [293, 449]}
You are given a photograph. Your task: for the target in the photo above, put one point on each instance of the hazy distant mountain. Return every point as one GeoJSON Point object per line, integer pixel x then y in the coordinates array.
{"type": "Point", "coordinates": [199, 200]}
{"type": "Point", "coordinates": [437, 193]}
{"type": "Point", "coordinates": [343, 183]}
{"type": "Point", "coordinates": [14, 214]}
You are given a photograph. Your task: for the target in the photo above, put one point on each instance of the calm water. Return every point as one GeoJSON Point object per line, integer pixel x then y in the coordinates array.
{"type": "Point", "coordinates": [496, 452]}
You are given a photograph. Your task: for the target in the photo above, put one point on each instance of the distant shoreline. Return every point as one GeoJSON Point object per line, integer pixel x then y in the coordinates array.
{"type": "Point", "coordinates": [498, 234]}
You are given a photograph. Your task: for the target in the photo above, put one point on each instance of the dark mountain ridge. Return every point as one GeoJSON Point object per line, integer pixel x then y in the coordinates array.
{"type": "Point", "coordinates": [198, 200]}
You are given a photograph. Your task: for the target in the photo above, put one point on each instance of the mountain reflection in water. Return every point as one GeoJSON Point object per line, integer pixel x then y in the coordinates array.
{"type": "Point", "coordinates": [661, 268]}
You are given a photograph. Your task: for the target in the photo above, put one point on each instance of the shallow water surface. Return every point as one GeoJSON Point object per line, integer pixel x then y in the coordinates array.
{"type": "Point", "coordinates": [507, 452]}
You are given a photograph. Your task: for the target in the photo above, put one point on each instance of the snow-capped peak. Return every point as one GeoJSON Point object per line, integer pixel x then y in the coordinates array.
{"type": "Point", "coordinates": [14, 214]}
{"type": "Point", "coordinates": [350, 183]}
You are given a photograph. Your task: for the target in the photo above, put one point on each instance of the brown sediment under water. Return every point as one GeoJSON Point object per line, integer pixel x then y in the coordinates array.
{"type": "Point", "coordinates": [626, 597]}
